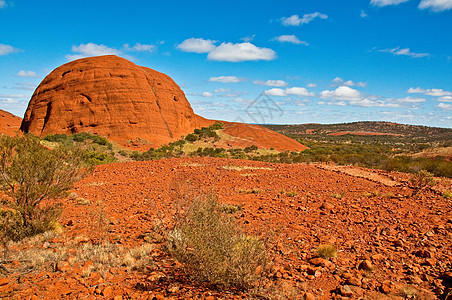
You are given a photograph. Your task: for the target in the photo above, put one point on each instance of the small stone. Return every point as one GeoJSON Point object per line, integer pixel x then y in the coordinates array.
{"type": "Point", "coordinates": [107, 292]}
{"type": "Point", "coordinates": [156, 276]}
{"type": "Point", "coordinates": [345, 290]}
{"type": "Point", "coordinates": [366, 265]}
{"type": "Point", "coordinates": [308, 296]}
{"type": "Point", "coordinates": [378, 257]}
{"type": "Point", "coordinates": [398, 243]}
{"type": "Point", "coordinates": [318, 261]}
{"type": "Point", "coordinates": [423, 253]}
{"type": "Point", "coordinates": [3, 281]}
{"type": "Point", "coordinates": [118, 297]}
{"type": "Point", "coordinates": [174, 288]}
{"type": "Point", "coordinates": [327, 206]}
{"type": "Point", "coordinates": [62, 266]}
{"type": "Point", "coordinates": [386, 287]}
{"type": "Point", "coordinates": [354, 281]}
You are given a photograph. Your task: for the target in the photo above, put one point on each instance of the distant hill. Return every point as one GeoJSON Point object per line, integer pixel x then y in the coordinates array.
{"type": "Point", "coordinates": [412, 132]}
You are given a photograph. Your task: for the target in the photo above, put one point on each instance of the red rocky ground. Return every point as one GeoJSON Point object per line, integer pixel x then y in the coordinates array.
{"type": "Point", "coordinates": [391, 244]}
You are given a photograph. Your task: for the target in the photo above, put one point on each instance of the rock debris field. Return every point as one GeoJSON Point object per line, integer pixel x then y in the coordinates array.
{"type": "Point", "coordinates": [392, 243]}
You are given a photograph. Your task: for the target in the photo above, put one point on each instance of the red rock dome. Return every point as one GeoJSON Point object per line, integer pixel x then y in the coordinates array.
{"type": "Point", "coordinates": [112, 97]}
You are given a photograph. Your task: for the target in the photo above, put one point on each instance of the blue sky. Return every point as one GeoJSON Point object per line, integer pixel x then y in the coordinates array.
{"type": "Point", "coordinates": [254, 61]}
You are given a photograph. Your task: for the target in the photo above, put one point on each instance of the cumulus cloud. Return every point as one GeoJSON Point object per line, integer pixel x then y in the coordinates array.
{"type": "Point", "coordinates": [404, 51]}
{"type": "Point", "coordinates": [197, 45]}
{"type": "Point", "coordinates": [240, 52]}
{"type": "Point", "coordinates": [289, 39]}
{"type": "Point", "coordinates": [295, 20]}
{"type": "Point", "coordinates": [2, 3]}
{"type": "Point", "coordinates": [207, 94]}
{"type": "Point", "coordinates": [226, 79]}
{"type": "Point", "coordinates": [7, 49]}
{"type": "Point", "coordinates": [27, 74]}
{"type": "Point", "coordinates": [91, 49]}
{"type": "Point", "coordinates": [429, 92]}
{"type": "Point", "coordinates": [340, 81]}
{"type": "Point", "coordinates": [445, 106]}
{"type": "Point", "coordinates": [436, 5]}
{"type": "Point", "coordinates": [342, 93]}
{"type": "Point", "coordinates": [140, 48]}
{"type": "Point", "coordinates": [271, 83]}
{"type": "Point", "coordinates": [296, 91]}
{"type": "Point", "coordinates": [382, 3]}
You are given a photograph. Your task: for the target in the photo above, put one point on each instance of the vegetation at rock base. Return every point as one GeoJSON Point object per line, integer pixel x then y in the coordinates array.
{"type": "Point", "coordinates": [212, 248]}
{"type": "Point", "coordinates": [32, 177]}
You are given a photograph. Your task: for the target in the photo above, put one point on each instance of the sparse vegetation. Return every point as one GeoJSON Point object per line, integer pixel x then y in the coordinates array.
{"type": "Point", "coordinates": [421, 180]}
{"type": "Point", "coordinates": [326, 251]}
{"type": "Point", "coordinates": [213, 249]}
{"type": "Point", "coordinates": [32, 177]}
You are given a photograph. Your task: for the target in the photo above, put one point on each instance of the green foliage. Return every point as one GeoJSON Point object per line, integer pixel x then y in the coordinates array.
{"type": "Point", "coordinates": [32, 176]}
{"type": "Point", "coordinates": [210, 245]}
{"type": "Point", "coordinates": [447, 194]}
{"type": "Point", "coordinates": [191, 137]}
{"type": "Point", "coordinates": [78, 138]}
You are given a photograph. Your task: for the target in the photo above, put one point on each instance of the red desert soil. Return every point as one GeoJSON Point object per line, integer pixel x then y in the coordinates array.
{"type": "Point", "coordinates": [135, 106]}
{"type": "Point", "coordinates": [391, 244]}
{"type": "Point", "coordinates": [9, 123]}
{"type": "Point", "coordinates": [361, 133]}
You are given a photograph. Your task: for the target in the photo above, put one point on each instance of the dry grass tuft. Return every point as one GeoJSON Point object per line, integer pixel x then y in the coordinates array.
{"type": "Point", "coordinates": [326, 251]}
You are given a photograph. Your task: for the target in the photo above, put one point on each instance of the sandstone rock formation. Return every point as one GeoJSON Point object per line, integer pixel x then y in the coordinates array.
{"type": "Point", "coordinates": [9, 123]}
{"type": "Point", "coordinates": [113, 97]}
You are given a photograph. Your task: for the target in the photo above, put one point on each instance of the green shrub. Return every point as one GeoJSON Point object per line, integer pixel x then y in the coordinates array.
{"type": "Point", "coordinates": [191, 137]}
{"type": "Point", "coordinates": [32, 176]}
{"type": "Point", "coordinates": [326, 251]}
{"type": "Point", "coordinates": [210, 245]}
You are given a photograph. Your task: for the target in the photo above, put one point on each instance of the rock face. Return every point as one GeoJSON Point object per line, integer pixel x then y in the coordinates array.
{"type": "Point", "coordinates": [115, 98]}
{"type": "Point", "coordinates": [112, 97]}
{"type": "Point", "coordinates": [9, 123]}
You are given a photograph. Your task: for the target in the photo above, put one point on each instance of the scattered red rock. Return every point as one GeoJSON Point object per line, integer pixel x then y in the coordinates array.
{"type": "Point", "coordinates": [365, 225]}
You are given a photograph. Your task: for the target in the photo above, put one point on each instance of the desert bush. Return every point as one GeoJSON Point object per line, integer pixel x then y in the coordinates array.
{"type": "Point", "coordinates": [447, 194]}
{"type": "Point", "coordinates": [212, 248]}
{"type": "Point", "coordinates": [326, 251]}
{"type": "Point", "coordinates": [32, 176]}
{"type": "Point", "coordinates": [421, 180]}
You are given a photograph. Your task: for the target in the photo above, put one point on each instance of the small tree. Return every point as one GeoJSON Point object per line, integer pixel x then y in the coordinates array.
{"type": "Point", "coordinates": [32, 176]}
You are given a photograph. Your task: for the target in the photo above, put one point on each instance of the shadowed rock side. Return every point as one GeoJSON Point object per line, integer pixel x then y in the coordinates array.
{"type": "Point", "coordinates": [9, 123]}
{"type": "Point", "coordinates": [113, 97]}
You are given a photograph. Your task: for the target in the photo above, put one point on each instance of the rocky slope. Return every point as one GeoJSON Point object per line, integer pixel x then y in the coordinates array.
{"type": "Point", "coordinates": [9, 123]}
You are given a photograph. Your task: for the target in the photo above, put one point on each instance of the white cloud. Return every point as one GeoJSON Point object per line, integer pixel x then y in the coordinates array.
{"type": "Point", "coordinates": [240, 52]}
{"type": "Point", "coordinates": [445, 106]}
{"type": "Point", "coordinates": [429, 92]}
{"type": "Point", "coordinates": [207, 94]}
{"type": "Point", "coordinates": [341, 81]}
{"type": "Point", "coordinates": [363, 14]}
{"type": "Point", "coordinates": [2, 3]}
{"type": "Point", "coordinates": [436, 5]}
{"type": "Point", "coordinates": [410, 100]}
{"type": "Point", "coordinates": [295, 20]}
{"type": "Point", "coordinates": [7, 49]}
{"type": "Point", "coordinates": [382, 3]}
{"type": "Point", "coordinates": [275, 92]}
{"type": "Point", "coordinates": [342, 93]}
{"type": "Point", "coordinates": [311, 85]}
{"type": "Point", "coordinates": [296, 91]}
{"type": "Point", "coordinates": [91, 49]}
{"type": "Point", "coordinates": [445, 99]}
{"type": "Point", "coordinates": [299, 91]}
{"type": "Point", "coordinates": [27, 74]}
{"type": "Point", "coordinates": [289, 39]}
{"type": "Point", "coordinates": [226, 79]}
{"type": "Point", "coordinates": [197, 45]}
{"type": "Point", "coordinates": [222, 90]}
{"type": "Point", "coordinates": [139, 47]}
{"type": "Point", "coordinates": [404, 51]}
{"type": "Point", "coordinates": [271, 83]}
{"type": "Point", "coordinates": [366, 102]}
{"type": "Point", "coordinates": [248, 38]}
